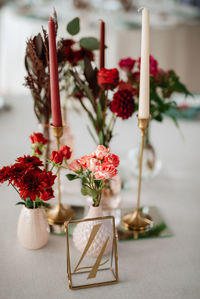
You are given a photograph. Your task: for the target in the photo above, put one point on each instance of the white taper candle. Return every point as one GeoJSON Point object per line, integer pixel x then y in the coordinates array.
{"type": "Point", "coordinates": [144, 67]}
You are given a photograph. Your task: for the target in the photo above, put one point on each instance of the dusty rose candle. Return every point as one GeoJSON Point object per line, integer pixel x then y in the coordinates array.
{"type": "Point", "coordinates": [102, 44]}
{"type": "Point", "coordinates": [54, 82]}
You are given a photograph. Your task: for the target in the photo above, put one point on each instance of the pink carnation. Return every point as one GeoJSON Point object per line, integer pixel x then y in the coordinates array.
{"type": "Point", "coordinates": [75, 165]}
{"type": "Point", "coordinates": [85, 159]}
{"type": "Point", "coordinates": [101, 152]}
{"type": "Point", "coordinates": [112, 159]}
{"type": "Point", "coordinates": [93, 164]}
{"type": "Point", "coordinates": [105, 171]}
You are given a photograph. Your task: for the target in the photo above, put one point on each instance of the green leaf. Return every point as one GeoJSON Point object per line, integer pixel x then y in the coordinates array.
{"type": "Point", "coordinates": [97, 183]}
{"type": "Point", "coordinates": [85, 190]}
{"type": "Point", "coordinates": [20, 203]}
{"type": "Point", "coordinates": [73, 27]}
{"type": "Point", "coordinates": [101, 139]}
{"type": "Point", "coordinates": [92, 135]}
{"type": "Point", "coordinates": [99, 115]}
{"type": "Point", "coordinates": [29, 203]}
{"type": "Point", "coordinates": [71, 176]}
{"type": "Point", "coordinates": [89, 43]}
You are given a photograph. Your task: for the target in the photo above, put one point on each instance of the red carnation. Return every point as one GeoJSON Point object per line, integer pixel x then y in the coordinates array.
{"type": "Point", "coordinates": [108, 78]}
{"type": "Point", "coordinates": [4, 174]}
{"type": "Point", "coordinates": [153, 65]}
{"type": "Point", "coordinates": [66, 151]}
{"type": "Point", "coordinates": [38, 138]}
{"type": "Point", "coordinates": [46, 195]}
{"type": "Point", "coordinates": [17, 171]}
{"type": "Point", "coordinates": [127, 64]}
{"type": "Point", "coordinates": [123, 104]}
{"type": "Point", "coordinates": [31, 184]}
{"type": "Point", "coordinates": [57, 157]}
{"type": "Point", "coordinates": [48, 178]}
{"type": "Point", "coordinates": [30, 161]}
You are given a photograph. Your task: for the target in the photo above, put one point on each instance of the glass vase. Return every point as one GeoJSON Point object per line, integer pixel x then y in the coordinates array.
{"type": "Point", "coordinates": [151, 164]}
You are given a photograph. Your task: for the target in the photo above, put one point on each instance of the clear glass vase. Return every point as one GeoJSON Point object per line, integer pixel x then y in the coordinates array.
{"type": "Point", "coordinates": [151, 164]}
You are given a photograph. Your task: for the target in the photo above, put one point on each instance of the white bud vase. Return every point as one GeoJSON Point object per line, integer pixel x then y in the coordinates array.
{"type": "Point", "coordinates": [83, 230]}
{"type": "Point", "coordinates": [33, 228]}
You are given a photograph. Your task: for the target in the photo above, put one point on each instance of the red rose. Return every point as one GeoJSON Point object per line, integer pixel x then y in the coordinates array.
{"type": "Point", "coordinates": [57, 157]}
{"type": "Point", "coordinates": [38, 138]}
{"type": "Point", "coordinates": [108, 78]}
{"type": "Point", "coordinates": [38, 151]}
{"type": "Point", "coordinates": [127, 64]}
{"type": "Point", "coordinates": [123, 104]}
{"type": "Point", "coordinates": [66, 151]}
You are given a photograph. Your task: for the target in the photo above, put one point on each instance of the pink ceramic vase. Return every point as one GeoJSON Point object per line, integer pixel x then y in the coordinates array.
{"type": "Point", "coordinates": [33, 229]}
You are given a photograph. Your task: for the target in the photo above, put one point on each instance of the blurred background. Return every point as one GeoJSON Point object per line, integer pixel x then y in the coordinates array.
{"type": "Point", "coordinates": [175, 33]}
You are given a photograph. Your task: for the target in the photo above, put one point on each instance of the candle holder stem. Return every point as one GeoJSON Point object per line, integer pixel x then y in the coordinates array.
{"type": "Point", "coordinates": [136, 220]}
{"type": "Point", "coordinates": [58, 174]}
{"type": "Point", "coordinates": [58, 213]}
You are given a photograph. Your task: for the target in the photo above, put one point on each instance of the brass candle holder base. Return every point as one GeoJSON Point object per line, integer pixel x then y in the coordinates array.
{"type": "Point", "coordinates": [137, 221]}
{"type": "Point", "coordinates": [59, 213]}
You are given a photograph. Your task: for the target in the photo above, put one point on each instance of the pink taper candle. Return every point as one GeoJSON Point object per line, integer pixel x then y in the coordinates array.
{"type": "Point", "coordinates": [144, 67]}
{"type": "Point", "coordinates": [54, 82]}
{"type": "Point", "coordinates": [102, 45]}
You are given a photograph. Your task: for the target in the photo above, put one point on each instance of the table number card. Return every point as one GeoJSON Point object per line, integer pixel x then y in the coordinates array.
{"type": "Point", "coordinates": [96, 261]}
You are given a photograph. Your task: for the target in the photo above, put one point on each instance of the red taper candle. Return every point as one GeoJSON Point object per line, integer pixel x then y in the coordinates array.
{"type": "Point", "coordinates": [102, 44]}
{"type": "Point", "coordinates": [54, 82]}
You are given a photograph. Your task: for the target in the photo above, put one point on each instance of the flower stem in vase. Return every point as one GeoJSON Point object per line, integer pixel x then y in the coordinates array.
{"type": "Point", "coordinates": [151, 154]}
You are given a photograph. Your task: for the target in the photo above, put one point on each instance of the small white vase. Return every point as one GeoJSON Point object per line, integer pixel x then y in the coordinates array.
{"type": "Point", "coordinates": [83, 230]}
{"type": "Point", "coordinates": [33, 229]}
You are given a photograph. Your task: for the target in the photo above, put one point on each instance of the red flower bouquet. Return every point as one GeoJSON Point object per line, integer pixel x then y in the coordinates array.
{"type": "Point", "coordinates": [162, 85]}
{"type": "Point", "coordinates": [32, 183]}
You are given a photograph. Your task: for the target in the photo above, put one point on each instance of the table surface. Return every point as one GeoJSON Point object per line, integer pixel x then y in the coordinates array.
{"type": "Point", "coordinates": [153, 268]}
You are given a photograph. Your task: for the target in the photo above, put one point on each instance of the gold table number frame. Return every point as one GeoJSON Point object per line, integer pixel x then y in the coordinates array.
{"type": "Point", "coordinates": [96, 265]}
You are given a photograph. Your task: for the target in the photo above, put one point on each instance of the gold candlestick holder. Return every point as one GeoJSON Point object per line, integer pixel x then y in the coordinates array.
{"type": "Point", "coordinates": [58, 213]}
{"type": "Point", "coordinates": [138, 221]}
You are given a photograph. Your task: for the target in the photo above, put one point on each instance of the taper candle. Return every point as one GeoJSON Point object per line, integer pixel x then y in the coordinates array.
{"type": "Point", "coordinates": [102, 44]}
{"type": "Point", "coordinates": [144, 67]}
{"type": "Point", "coordinates": [54, 82]}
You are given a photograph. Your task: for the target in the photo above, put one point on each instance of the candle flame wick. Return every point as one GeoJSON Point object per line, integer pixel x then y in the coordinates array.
{"type": "Point", "coordinates": [140, 9]}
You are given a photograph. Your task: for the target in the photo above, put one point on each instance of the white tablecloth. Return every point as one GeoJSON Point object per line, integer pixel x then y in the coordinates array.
{"type": "Point", "coordinates": [153, 268]}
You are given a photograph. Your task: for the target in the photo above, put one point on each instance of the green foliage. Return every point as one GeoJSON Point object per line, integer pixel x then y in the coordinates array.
{"type": "Point", "coordinates": [73, 27]}
{"type": "Point", "coordinates": [89, 43]}
{"type": "Point", "coordinates": [71, 177]}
